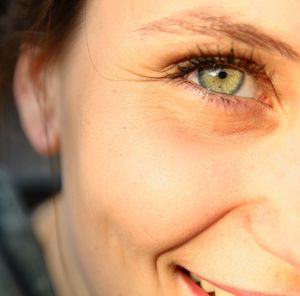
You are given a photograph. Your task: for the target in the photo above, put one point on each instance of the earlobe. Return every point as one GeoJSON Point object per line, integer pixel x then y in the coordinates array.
{"type": "Point", "coordinates": [35, 100]}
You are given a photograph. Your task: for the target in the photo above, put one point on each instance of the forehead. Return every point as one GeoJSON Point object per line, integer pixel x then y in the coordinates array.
{"type": "Point", "coordinates": [279, 17]}
{"type": "Point", "coordinates": [282, 12]}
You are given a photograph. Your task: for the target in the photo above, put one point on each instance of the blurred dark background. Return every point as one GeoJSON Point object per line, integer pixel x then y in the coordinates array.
{"type": "Point", "coordinates": [34, 177]}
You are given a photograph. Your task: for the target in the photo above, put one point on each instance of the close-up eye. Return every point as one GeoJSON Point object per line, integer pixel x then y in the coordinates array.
{"type": "Point", "coordinates": [226, 78]}
{"type": "Point", "coordinates": [226, 81]}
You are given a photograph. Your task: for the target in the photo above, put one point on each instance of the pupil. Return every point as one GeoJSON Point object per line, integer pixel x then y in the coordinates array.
{"type": "Point", "coordinates": [222, 75]}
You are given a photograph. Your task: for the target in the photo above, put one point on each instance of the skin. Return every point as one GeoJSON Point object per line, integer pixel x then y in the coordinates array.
{"type": "Point", "coordinates": [153, 175]}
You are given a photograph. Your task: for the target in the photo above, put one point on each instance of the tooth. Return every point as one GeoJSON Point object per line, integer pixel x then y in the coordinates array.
{"type": "Point", "coordinates": [219, 292]}
{"type": "Point", "coordinates": [207, 286]}
{"type": "Point", "coordinates": [195, 278]}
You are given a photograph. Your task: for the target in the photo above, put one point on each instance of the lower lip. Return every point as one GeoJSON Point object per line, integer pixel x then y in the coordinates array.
{"type": "Point", "coordinates": [197, 290]}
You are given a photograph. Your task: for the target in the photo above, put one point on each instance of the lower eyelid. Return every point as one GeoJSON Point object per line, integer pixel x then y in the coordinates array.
{"type": "Point", "coordinates": [231, 106]}
{"type": "Point", "coordinates": [196, 112]}
{"type": "Point", "coordinates": [205, 118]}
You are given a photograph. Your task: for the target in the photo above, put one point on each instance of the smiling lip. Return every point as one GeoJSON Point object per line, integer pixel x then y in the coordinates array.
{"type": "Point", "coordinates": [233, 290]}
{"type": "Point", "coordinates": [240, 292]}
{"type": "Point", "coordinates": [197, 290]}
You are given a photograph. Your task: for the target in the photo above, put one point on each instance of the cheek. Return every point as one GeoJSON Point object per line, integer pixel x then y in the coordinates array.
{"type": "Point", "coordinates": [155, 186]}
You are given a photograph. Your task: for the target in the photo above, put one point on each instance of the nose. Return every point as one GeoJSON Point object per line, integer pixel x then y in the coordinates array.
{"type": "Point", "coordinates": [277, 230]}
{"type": "Point", "coordinates": [275, 220]}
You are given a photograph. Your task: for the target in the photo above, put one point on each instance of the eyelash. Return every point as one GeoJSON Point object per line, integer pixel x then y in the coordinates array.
{"type": "Point", "coordinates": [243, 61]}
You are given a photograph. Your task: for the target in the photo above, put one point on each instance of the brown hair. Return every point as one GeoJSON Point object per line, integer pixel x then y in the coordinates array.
{"type": "Point", "coordinates": [45, 23]}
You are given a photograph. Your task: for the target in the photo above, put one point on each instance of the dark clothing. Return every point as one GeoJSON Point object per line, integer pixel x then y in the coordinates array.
{"type": "Point", "coordinates": [22, 267]}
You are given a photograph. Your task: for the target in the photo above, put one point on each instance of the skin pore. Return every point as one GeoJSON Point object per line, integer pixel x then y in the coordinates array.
{"type": "Point", "coordinates": [159, 173]}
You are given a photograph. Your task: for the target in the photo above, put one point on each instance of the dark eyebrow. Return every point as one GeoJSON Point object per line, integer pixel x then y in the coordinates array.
{"type": "Point", "coordinates": [205, 22]}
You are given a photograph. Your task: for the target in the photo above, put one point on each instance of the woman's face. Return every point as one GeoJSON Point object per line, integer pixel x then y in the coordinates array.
{"type": "Point", "coordinates": [171, 162]}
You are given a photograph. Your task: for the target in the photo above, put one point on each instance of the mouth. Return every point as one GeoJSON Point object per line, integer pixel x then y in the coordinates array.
{"type": "Point", "coordinates": [201, 287]}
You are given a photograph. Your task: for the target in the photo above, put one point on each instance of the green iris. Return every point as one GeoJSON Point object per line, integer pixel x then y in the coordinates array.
{"type": "Point", "coordinates": [222, 80]}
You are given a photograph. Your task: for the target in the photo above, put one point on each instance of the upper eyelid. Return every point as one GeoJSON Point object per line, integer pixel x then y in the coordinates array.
{"type": "Point", "coordinates": [190, 65]}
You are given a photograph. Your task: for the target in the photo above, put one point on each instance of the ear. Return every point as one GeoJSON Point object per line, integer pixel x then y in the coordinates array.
{"type": "Point", "coordinates": [35, 96]}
